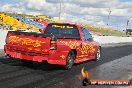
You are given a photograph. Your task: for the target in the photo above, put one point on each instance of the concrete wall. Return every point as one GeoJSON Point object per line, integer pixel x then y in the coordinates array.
{"type": "Point", "coordinates": [112, 39]}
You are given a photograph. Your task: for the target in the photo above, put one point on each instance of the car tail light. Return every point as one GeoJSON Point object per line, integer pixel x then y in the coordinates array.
{"type": "Point", "coordinates": [53, 44]}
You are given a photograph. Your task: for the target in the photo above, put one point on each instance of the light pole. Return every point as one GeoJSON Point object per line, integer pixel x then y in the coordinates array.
{"type": "Point", "coordinates": [128, 30]}
{"type": "Point", "coordinates": [109, 16]}
{"type": "Point", "coordinates": [127, 23]}
{"type": "Point", "coordinates": [108, 20]}
{"type": "Point", "coordinates": [60, 9]}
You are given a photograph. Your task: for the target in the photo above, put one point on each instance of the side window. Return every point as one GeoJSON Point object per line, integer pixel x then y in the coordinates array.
{"type": "Point", "coordinates": [86, 35]}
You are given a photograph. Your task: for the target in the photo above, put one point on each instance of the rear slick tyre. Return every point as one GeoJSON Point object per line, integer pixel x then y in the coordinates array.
{"type": "Point", "coordinates": [70, 60]}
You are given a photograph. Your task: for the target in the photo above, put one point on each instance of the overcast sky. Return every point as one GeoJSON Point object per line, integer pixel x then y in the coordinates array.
{"type": "Point", "coordinates": [92, 12]}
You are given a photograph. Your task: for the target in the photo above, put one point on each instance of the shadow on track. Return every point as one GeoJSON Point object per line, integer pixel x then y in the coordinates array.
{"type": "Point", "coordinates": [32, 65]}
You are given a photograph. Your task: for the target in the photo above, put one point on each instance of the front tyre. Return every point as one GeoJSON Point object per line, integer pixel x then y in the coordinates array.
{"type": "Point", "coordinates": [70, 60]}
{"type": "Point", "coordinates": [98, 54]}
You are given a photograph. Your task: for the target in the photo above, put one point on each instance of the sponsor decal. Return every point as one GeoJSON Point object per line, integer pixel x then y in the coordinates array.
{"type": "Point", "coordinates": [62, 26]}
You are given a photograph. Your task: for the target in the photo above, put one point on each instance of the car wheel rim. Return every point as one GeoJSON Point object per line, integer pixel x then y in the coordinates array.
{"type": "Point", "coordinates": [98, 54]}
{"type": "Point", "coordinates": [70, 61]}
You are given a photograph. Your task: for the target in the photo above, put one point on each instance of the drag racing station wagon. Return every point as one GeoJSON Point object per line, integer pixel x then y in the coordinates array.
{"type": "Point", "coordinates": [59, 43]}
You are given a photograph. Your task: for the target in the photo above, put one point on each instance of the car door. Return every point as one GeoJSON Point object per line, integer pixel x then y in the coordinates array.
{"type": "Point", "coordinates": [87, 44]}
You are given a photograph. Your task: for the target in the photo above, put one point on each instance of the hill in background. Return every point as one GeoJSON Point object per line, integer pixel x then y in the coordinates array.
{"type": "Point", "coordinates": [97, 30]}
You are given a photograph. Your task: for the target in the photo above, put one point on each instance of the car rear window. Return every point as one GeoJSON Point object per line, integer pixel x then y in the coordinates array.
{"type": "Point", "coordinates": [63, 30]}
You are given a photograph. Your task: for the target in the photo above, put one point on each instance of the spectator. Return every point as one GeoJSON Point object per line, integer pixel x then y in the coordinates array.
{"type": "Point", "coordinates": [1, 28]}
{"type": "Point", "coordinates": [10, 28]}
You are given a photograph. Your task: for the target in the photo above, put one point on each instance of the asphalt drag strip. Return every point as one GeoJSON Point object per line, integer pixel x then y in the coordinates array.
{"type": "Point", "coordinates": [40, 75]}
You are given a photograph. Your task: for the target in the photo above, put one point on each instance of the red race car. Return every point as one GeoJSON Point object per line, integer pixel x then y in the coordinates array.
{"type": "Point", "coordinates": [59, 43]}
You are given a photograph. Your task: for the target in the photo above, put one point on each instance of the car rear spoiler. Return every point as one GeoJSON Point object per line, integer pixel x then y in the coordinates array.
{"type": "Point", "coordinates": [37, 34]}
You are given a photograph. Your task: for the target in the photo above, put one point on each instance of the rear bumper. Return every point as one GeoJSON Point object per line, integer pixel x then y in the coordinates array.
{"type": "Point", "coordinates": [53, 57]}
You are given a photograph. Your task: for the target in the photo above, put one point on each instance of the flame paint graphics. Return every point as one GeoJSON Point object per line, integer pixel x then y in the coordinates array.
{"type": "Point", "coordinates": [71, 44]}
{"type": "Point", "coordinates": [90, 48]}
{"type": "Point", "coordinates": [62, 56]}
{"type": "Point", "coordinates": [25, 41]}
